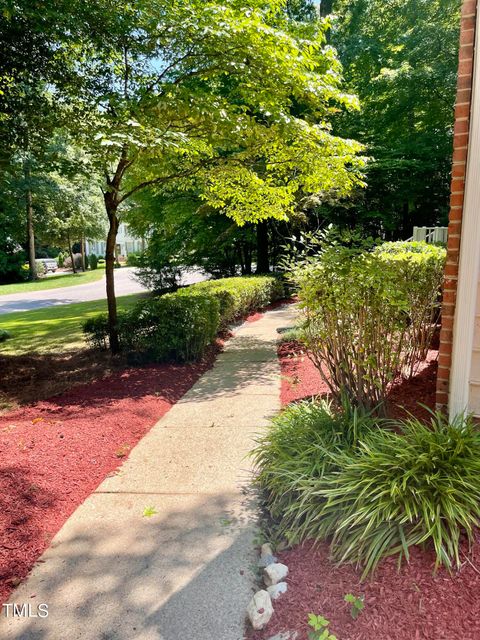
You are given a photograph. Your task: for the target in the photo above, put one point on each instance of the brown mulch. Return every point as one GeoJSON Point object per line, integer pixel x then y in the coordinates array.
{"type": "Point", "coordinates": [410, 603]}
{"type": "Point", "coordinates": [29, 378]}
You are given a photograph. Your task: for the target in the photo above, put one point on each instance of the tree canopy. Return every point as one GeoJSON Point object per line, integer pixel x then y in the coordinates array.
{"type": "Point", "coordinates": [400, 57]}
{"type": "Point", "coordinates": [230, 101]}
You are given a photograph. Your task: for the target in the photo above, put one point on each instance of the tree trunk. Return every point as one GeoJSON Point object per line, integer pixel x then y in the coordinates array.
{"type": "Point", "coordinates": [263, 265]}
{"type": "Point", "coordinates": [326, 7]}
{"type": "Point", "coordinates": [30, 230]}
{"type": "Point", "coordinates": [111, 208]}
{"type": "Point", "coordinates": [71, 254]}
{"type": "Point", "coordinates": [82, 250]}
{"type": "Point", "coordinates": [247, 253]}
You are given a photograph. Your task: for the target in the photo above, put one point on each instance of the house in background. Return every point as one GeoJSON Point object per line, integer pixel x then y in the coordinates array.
{"type": "Point", "coordinates": [458, 382]}
{"type": "Point", "coordinates": [127, 243]}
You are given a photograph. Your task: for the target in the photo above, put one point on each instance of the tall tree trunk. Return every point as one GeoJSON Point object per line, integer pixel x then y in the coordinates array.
{"type": "Point", "coordinates": [82, 251]}
{"type": "Point", "coordinates": [111, 207]}
{"type": "Point", "coordinates": [263, 265]}
{"type": "Point", "coordinates": [30, 230]}
{"type": "Point", "coordinates": [326, 7]}
{"type": "Point", "coordinates": [247, 256]}
{"type": "Point", "coordinates": [70, 251]}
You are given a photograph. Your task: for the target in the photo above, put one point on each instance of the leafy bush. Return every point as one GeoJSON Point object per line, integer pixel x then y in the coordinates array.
{"type": "Point", "coordinates": [77, 257]}
{"type": "Point", "coordinates": [414, 485]}
{"type": "Point", "coordinates": [159, 280]}
{"type": "Point", "coordinates": [165, 328]}
{"type": "Point", "coordinates": [179, 326]}
{"type": "Point", "coordinates": [96, 331]}
{"type": "Point", "coordinates": [101, 263]}
{"type": "Point", "coordinates": [368, 315]}
{"type": "Point", "coordinates": [4, 335]}
{"type": "Point", "coordinates": [419, 270]}
{"type": "Point", "coordinates": [11, 260]}
{"type": "Point", "coordinates": [171, 327]}
{"type": "Point", "coordinates": [297, 451]}
{"type": "Point", "coordinates": [133, 259]}
{"type": "Point", "coordinates": [61, 260]}
{"type": "Point", "coordinates": [92, 261]}
{"type": "Point", "coordinates": [40, 268]}
{"type": "Point", "coordinates": [240, 296]}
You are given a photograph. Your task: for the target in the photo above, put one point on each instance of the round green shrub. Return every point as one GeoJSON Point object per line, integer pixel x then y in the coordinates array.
{"type": "Point", "coordinates": [369, 316]}
{"type": "Point", "coordinates": [4, 335]}
{"type": "Point", "coordinates": [92, 261]}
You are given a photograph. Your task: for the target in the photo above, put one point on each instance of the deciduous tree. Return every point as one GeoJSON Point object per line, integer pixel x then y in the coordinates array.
{"type": "Point", "coordinates": [210, 96]}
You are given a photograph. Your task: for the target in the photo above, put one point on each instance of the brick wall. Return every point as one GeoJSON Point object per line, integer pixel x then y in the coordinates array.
{"type": "Point", "coordinates": [460, 148]}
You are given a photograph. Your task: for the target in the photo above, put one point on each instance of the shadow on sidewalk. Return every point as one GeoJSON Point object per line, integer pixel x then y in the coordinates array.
{"type": "Point", "coordinates": [120, 583]}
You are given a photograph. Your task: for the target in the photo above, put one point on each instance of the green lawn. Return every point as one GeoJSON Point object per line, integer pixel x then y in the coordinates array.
{"type": "Point", "coordinates": [53, 282]}
{"type": "Point", "coordinates": [53, 329]}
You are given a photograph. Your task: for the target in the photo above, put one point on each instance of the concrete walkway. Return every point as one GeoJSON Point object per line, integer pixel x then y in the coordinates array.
{"type": "Point", "coordinates": [185, 572]}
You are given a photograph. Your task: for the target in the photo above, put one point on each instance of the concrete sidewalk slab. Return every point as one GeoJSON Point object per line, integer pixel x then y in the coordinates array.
{"type": "Point", "coordinates": [184, 572]}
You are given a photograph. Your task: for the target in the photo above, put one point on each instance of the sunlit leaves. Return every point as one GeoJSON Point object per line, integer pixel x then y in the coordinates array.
{"type": "Point", "coordinates": [203, 96]}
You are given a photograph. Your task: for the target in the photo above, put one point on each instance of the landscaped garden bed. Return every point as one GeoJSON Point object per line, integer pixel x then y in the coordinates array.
{"type": "Point", "coordinates": [372, 500]}
{"type": "Point", "coordinates": [412, 603]}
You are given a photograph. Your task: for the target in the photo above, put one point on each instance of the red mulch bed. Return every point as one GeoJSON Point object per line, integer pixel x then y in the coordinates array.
{"type": "Point", "coordinates": [410, 604]}
{"type": "Point", "coordinates": [56, 452]}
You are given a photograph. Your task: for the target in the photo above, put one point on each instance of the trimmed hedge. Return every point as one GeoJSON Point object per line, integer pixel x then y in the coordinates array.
{"type": "Point", "coordinates": [179, 326]}
{"type": "Point", "coordinates": [171, 327]}
{"type": "Point", "coordinates": [240, 296]}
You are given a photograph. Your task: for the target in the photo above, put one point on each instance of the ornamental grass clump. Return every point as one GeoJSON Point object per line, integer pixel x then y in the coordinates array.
{"type": "Point", "coordinates": [297, 450]}
{"type": "Point", "coordinates": [416, 486]}
{"type": "Point", "coordinates": [368, 315]}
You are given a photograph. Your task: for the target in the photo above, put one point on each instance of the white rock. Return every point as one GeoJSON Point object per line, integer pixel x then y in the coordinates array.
{"type": "Point", "coordinates": [266, 556]}
{"type": "Point", "coordinates": [276, 590]}
{"type": "Point", "coordinates": [260, 609]}
{"type": "Point", "coordinates": [266, 560]}
{"type": "Point", "coordinates": [274, 573]}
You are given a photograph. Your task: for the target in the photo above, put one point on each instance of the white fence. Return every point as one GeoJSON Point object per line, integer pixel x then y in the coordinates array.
{"type": "Point", "coordinates": [429, 234]}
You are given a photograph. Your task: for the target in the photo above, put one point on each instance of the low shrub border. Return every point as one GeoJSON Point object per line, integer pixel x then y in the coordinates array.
{"type": "Point", "coordinates": [240, 296]}
{"type": "Point", "coordinates": [179, 326]}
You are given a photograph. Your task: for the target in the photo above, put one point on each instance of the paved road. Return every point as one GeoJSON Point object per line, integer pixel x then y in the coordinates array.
{"type": "Point", "coordinates": [125, 284]}
{"type": "Point", "coordinates": [185, 572]}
